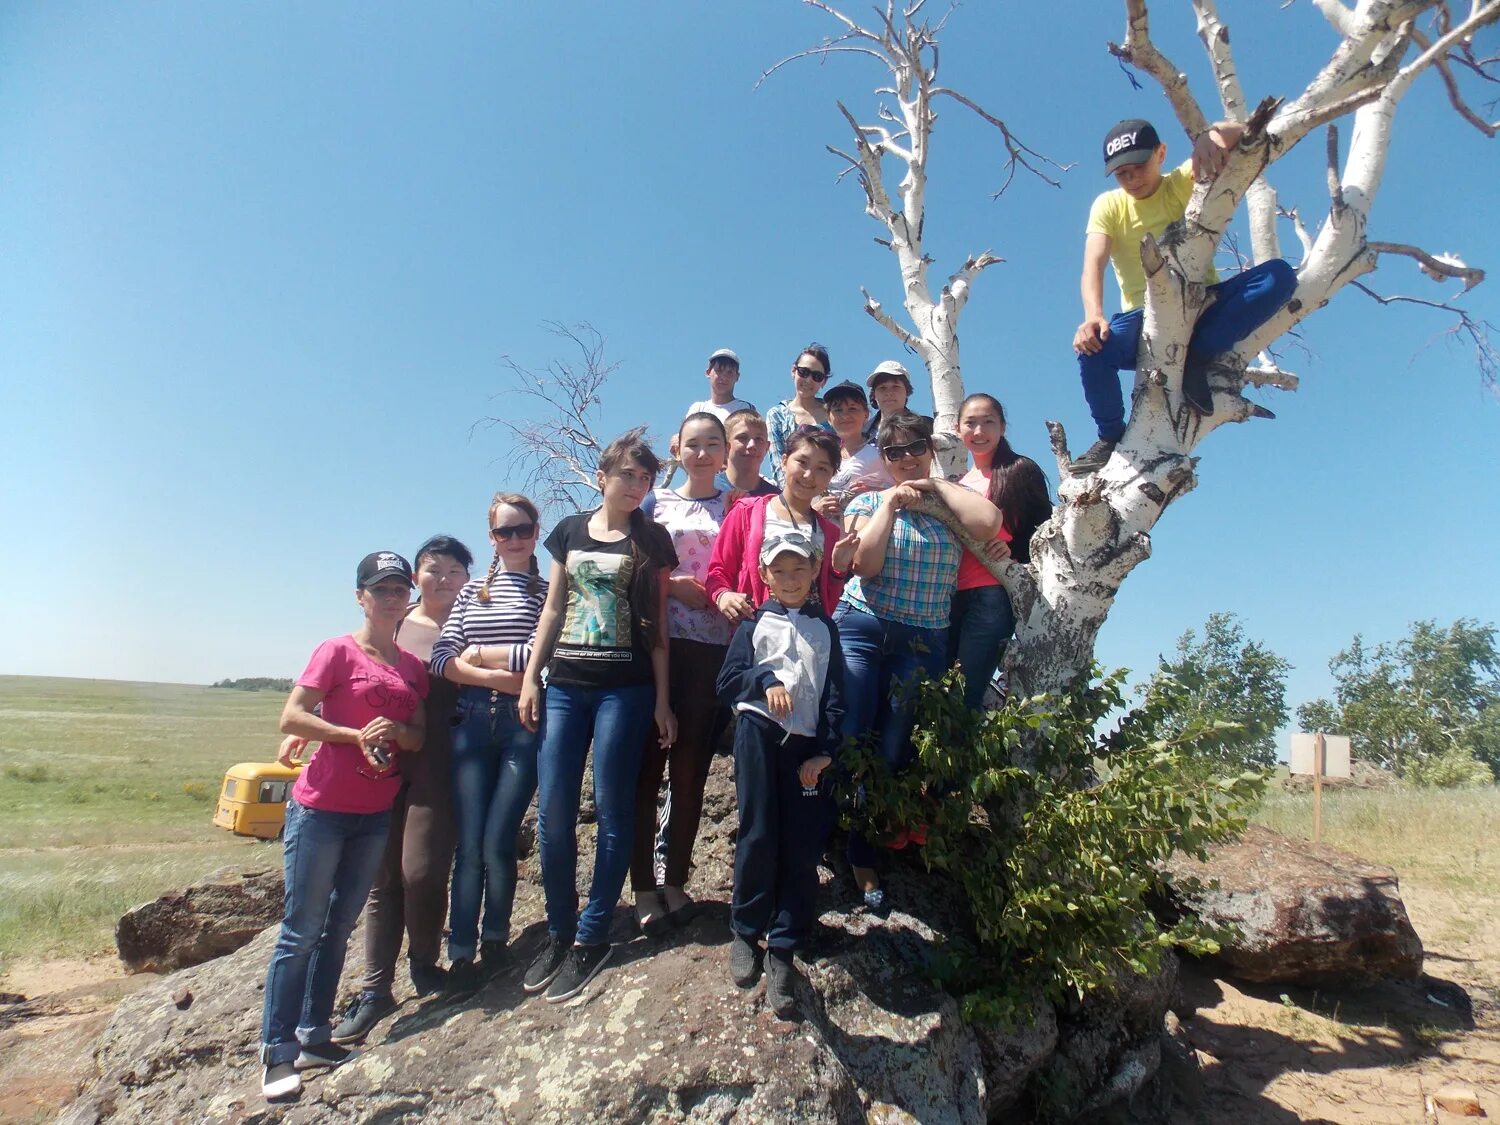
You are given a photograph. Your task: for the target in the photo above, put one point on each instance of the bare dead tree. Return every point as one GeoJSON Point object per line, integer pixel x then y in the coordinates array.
{"type": "Point", "coordinates": [906, 45]}
{"type": "Point", "coordinates": [1101, 529]}
{"type": "Point", "coordinates": [556, 453]}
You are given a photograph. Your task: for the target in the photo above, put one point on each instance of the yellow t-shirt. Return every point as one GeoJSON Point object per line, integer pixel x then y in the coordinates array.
{"type": "Point", "coordinates": [1127, 221]}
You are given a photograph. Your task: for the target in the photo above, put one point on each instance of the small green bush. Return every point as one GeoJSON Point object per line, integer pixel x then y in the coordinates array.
{"type": "Point", "coordinates": [31, 774]}
{"type": "Point", "coordinates": [1054, 834]}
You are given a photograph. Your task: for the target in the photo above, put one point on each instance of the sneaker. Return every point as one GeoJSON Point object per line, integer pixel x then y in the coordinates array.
{"type": "Point", "coordinates": [280, 1082]}
{"type": "Point", "coordinates": [463, 975]}
{"type": "Point", "coordinates": [367, 1009]}
{"type": "Point", "coordinates": [1195, 390]}
{"type": "Point", "coordinates": [540, 972]}
{"type": "Point", "coordinates": [493, 957]}
{"type": "Point", "coordinates": [876, 901]}
{"type": "Point", "coordinates": [582, 965]}
{"type": "Point", "coordinates": [744, 961]}
{"type": "Point", "coordinates": [427, 979]}
{"type": "Point", "coordinates": [781, 988]}
{"type": "Point", "coordinates": [323, 1054]}
{"type": "Point", "coordinates": [1094, 458]}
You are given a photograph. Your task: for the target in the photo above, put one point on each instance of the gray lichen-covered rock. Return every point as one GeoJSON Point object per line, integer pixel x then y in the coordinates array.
{"type": "Point", "coordinates": [214, 916]}
{"type": "Point", "coordinates": [1306, 913]}
{"type": "Point", "coordinates": [662, 1035]}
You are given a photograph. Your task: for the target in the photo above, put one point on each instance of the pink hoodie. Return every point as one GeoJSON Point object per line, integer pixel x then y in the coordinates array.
{"type": "Point", "coordinates": [736, 560]}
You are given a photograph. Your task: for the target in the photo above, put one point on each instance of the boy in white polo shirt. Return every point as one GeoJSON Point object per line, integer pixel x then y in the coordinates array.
{"type": "Point", "coordinates": [723, 373]}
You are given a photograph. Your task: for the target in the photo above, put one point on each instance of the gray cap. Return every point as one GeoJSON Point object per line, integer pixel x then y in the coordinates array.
{"type": "Point", "coordinates": [724, 353]}
{"type": "Point", "coordinates": [889, 369]}
{"type": "Point", "coordinates": [795, 542]}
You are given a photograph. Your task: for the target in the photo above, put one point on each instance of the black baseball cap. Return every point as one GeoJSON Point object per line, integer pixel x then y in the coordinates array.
{"type": "Point", "coordinates": [381, 564]}
{"type": "Point", "coordinates": [847, 389]}
{"type": "Point", "coordinates": [1132, 141]}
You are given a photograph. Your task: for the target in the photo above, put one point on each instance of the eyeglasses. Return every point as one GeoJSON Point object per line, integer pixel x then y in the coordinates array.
{"type": "Point", "coordinates": [514, 531]}
{"type": "Point", "coordinates": [810, 373]}
{"type": "Point", "coordinates": [910, 449]}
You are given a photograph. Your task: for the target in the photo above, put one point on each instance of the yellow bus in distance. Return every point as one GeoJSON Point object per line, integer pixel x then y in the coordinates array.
{"type": "Point", "coordinates": [253, 800]}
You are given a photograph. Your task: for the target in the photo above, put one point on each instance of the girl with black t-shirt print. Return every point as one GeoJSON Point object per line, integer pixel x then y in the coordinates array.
{"type": "Point", "coordinates": [602, 638]}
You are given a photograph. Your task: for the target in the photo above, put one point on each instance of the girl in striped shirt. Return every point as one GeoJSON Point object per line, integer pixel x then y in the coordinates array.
{"type": "Point", "coordinates": [484, 646]}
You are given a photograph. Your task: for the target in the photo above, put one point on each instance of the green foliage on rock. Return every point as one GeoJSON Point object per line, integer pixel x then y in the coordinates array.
{"type": "Point", "coordinates": [1426, 707]}
{"type": "Point", "coordinates": [1054, 834]}
{"type": "Point", "coordinates": [1223, 678]}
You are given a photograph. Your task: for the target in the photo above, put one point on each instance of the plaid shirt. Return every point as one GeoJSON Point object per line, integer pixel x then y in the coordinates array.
{"type": "Point", "coordinates": [781, 424]}
{"type": "Point", "coordinates": [916, 584]}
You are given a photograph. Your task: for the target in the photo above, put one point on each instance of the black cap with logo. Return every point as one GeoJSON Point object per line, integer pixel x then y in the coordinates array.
{"type": "Point", "coordinates": [381, 564]}
{"type": "Point", "coordinates": [847, 389]}
{"type": "Point", "coordinates": [1132, 141]}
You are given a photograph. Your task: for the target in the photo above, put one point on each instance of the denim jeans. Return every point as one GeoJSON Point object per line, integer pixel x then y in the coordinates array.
{"type": "Point", "coordinates": [881, 658]}
{"type": "Point", "coordinates": [1241, 305]}
{"type": "Point", "coordinates": [617, 720]}
{"type": "Point", "coordinates": [494, 778]}
{"type": "Point", "coordinates": [330, 860]}
{"type": "Point", "coordinates": [981, 623]}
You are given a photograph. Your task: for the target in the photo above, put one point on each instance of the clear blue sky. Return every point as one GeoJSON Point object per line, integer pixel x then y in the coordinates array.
{"type": "Point", "coordinates": [261, 263]}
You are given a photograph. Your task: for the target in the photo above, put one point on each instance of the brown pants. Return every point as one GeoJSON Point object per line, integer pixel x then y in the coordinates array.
{"type": "Point", "coordinates": [693, 669]}
{"type": "Point", "coordinates": [410, 894]}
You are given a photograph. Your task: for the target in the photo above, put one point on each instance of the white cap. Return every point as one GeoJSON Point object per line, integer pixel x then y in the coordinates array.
{"type": "Point", "coordinates": [724, 353]}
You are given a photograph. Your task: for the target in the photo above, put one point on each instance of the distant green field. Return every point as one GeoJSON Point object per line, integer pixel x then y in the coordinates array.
{"type": "Point", "coordinates": [107, 793]}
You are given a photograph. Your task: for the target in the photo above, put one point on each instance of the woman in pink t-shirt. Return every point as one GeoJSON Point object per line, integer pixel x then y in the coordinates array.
{"type": "Point", "coordinates": [982, 620]}
{"type": "Point", "coordinates": [338, 816]}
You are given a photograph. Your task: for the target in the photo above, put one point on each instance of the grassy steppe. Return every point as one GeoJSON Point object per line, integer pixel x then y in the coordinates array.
{"type": "Point", "coordinates": [107, 793]}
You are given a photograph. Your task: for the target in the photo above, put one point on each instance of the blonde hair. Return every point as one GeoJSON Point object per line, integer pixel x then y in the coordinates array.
{"type": "Point", "coordinates": [515, 500]}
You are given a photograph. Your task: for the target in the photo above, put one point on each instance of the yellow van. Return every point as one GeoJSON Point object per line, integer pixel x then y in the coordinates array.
{"type": "Point", "coordinates": [253, 800]}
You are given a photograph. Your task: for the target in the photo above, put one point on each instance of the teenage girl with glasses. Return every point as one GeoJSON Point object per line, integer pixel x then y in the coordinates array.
{"type": "Point", "coordinates": [804, 408]}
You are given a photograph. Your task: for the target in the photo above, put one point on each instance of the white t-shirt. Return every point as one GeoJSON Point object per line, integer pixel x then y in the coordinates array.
{"type": "Point", "coordinates": [722, 412]}
{"type": "Point", "coordinates": [865, 465]}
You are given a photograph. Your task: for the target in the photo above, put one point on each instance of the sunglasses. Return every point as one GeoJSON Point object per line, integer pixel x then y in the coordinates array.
{"type": "Point", "coordinates": [514, 531]}
{"type": "Point", "coordinates": [811, 373]}
{"type": "Point", "coordinates": [910, 449]}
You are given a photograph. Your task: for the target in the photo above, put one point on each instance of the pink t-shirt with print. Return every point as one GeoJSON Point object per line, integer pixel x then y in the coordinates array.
{"type": "Point", "coordinates": [693, 526]}
{"type": "Point", "coordinates": [355, 690]}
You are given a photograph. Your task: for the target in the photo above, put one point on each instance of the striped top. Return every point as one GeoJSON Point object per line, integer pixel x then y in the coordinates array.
{"type": "Point", "coordinates": [916, 584]}
{"type": "Point", "coordinates": [509, 619]}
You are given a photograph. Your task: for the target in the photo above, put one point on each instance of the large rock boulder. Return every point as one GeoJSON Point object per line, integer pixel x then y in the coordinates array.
{"type": "Point", "coordinates": [662, 1035]}
{"type": "Point", "coordinates": [1306, 913]}
{"type": "Point", "coordinates": [212, 917]}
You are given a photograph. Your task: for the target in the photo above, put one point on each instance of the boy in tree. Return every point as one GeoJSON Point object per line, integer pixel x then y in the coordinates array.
{"type": "Point", "coordinates": [783, 676]}
{"type": "Point", "coordinates": [1148, 201]}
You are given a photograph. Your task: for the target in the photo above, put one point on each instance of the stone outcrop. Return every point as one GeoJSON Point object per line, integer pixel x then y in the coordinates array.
{"type": "Point", "coordinates": [1306, 913]}
{"type": "Point", "coordinates": [214, 916]}
{"type": "Point", "coordinates": [663, 1034]}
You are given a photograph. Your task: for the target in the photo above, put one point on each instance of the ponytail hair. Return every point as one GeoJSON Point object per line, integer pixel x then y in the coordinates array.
{"type": "Point", "coordinates": [514, 500]}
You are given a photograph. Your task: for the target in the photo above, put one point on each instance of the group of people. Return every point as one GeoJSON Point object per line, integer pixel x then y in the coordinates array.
{"type": "Point", "coordinates": [799, 607]}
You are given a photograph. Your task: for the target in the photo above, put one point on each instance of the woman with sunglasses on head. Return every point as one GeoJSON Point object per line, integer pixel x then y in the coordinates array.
{"type": "Point", "coordinates": [734, 581]}
{"type": "Point", "coordinates": [893, 615]}
{"type": "Point", "coordinates": [804, 408]}
{"type": "Point", "coordinates": [699, 637]}
{"type": "Point", "coordinates": [410, 894]}
{"type": "Point", "coordinates": [483, 649]}
{"type": "Point", "coordinates": [339, 816]}
{"type": "Point", "coordinates": [602, 638]}
{"type": "Point", "coordinates": [982, 620]}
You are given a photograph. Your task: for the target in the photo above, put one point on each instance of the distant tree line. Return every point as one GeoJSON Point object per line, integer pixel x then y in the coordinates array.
{"type": "Point", "coordinates": [257, 683]}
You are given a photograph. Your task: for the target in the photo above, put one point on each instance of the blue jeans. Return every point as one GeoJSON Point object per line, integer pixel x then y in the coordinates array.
{"type": "Point", "coordinates": [881, 658]}
{"type": "Point", "coordinates": [617, 719]}
{"type": "Point", "coordinates": [1242, 304]}
{"type": "Point", "coordinates": [981, 622]}
{"type": "Point", "coordinates": [494, 778]}
{"type": "Point", "coordinates": [330, 859]}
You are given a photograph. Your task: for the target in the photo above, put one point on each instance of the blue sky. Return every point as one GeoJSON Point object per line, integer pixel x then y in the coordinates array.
{"type": "Point", "coordinates": [262, 263]}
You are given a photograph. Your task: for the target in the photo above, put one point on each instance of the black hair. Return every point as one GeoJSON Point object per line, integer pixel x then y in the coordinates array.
{"type": "Point", "coordinates": [704, 416]}
{"type": "Point", "coordinates": [904, 423]}
{"type": "Point", "coordinates": [650, 544]}
{"type": "Point", "coordinates": [1018, 487]}
{"type": "Point", "coordinates": [818, 352]}
{"type": "Point", "coordinates": [820, 439]}
{"type": "Point", "coordinates": [444, 545]}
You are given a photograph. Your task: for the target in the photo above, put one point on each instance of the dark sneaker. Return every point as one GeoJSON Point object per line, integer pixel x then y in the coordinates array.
{"type": "Point", "coordinates": [280, 1082]}
{"type": "Point", "coordinates": [463, 975]}
{"type": "Point", "coordinates": [493, 957]}
{"type": "Point", "coordinates": [582, 965]}
{"type": "Point", "coordinates": [781, 984]}
{"type": "Point", "coordinates": [364, 1013]}
{"type": "Point", "coordinates": [324, 1054]}
{"type": "Point", "coordinates": [1093, 458]}
{"type": "Point", "coordinates": [427, 979]}
{"type": "Point", "coordinates": [744, 961]}
{"type": "Point", "coordinates": [1195, 390]}
{"type": "Point", "coordinates": [540, 972]}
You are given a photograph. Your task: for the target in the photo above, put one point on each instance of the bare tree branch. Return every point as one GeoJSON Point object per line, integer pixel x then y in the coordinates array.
{"type": "Point", "coordinates": [1436, 266]}
{"type": "Point", "coordinates": [1140, 52]}
{"type": "Point", "coordinates": [1018, 153]}
{"type": "Point", "coordinates": [1477, 332]}
{"type": "Point", "coordinates": [1455, 95]}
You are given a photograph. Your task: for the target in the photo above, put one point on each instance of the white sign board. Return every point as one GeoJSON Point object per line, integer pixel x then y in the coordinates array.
{"type": "Point", "coordinates": [1335, 754]}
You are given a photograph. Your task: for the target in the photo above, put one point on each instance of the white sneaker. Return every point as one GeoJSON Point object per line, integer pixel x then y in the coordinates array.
{"type": "Point", "coordinates": [281, 1081]}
